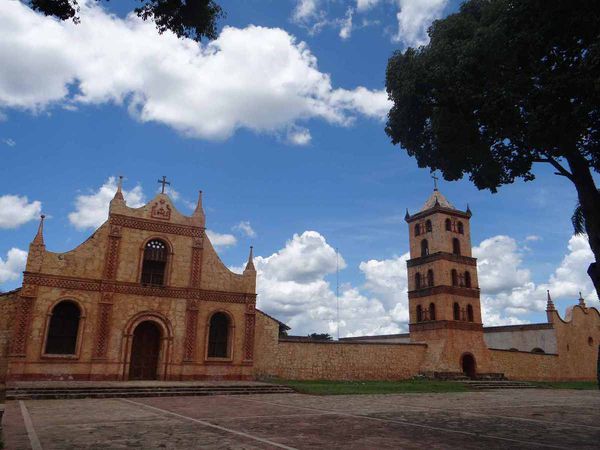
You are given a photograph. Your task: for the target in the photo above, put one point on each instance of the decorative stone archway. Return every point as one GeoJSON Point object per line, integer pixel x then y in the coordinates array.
{"type": "Point", "coordinates": [154, 326]}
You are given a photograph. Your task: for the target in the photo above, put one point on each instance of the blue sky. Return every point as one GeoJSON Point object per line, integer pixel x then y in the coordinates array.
{"type": "Point", "coordinates": [348, 183]}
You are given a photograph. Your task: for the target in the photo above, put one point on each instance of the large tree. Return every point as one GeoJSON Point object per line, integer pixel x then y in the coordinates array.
{"type": "Point", "coordinates": [504, 84]}
{"type": "Point", "coordinates": [194, 19]}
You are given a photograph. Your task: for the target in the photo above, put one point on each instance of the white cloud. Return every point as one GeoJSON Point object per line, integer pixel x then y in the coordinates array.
{"type": "Point", "coordinates": [414, 17]}
{"type": "Point", "coordinates": [533, 238]}
{"type": "Point", "coordinates": [507, 290]}
{"type": "Point", "coordinates": [92, 210]}
{"type": "Point", "coordinates": [346, 29]}
{"type": "Point", "coordinates": [292, 286]}
{"type": "Point", "coordinates": [13, 266]}
{"type": "Point", "coordinates": [306, 10]}
{"type": "Point", "coordinates": [15, 210]}
{"type": "Point", "coordinates": [299, 136]}
{"type": "Point", "coordinates": [257, 78]}
{"type": "Point", "coordinates": [364, 5]}
{"type": "Point", "coordinates": [245, 228]}
{"type": "Point", "coordinates": [172, 193]}
{"type": "Point", "coordinates": [219, 240]}
{"type": "Point", "coordinates": [10, 142]}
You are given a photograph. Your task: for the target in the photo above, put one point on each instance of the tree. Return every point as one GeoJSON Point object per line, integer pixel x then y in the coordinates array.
{"type": "Point", "coordinates": [504, 84]}
{"type": "Point", "coordinates": [320, 336]}
{"type": "Point", "coordinates": [193, 19]}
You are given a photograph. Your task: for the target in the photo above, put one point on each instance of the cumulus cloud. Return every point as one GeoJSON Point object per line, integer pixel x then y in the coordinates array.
{"type": "Point", "coordinates": [92, 210]}
{"type": "Point", "coordinates": [306, 10]}
{"type": "Point", "coordinates": [245, 228]}
{"type": "Point", "coordinates": [299, 136]}
{"type": "Point", "coordinates": [364, 5]}
{"type": "Point", "coordinates": [346, 29]}
{"type": "Point", "coordinates": [14, 264]}
{"type": "Point", "coordinates": [414, 17]}
{"type": "Point", "coordinates": [507, 291]}
{"type": "Point", "coordinates": [219, 240]}
{"type": "Point", "coordinates": [16, 210]}
{"type": "Point", "coordinates": [258, 78]}
{"type": "Point", "coordinates": [293, 285]}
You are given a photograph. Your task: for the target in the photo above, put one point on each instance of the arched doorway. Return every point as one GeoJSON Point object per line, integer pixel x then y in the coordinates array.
{"type": "Point", "coordinates": [145, 351]}
{"type": "Point", "coordinates": [468, 365]}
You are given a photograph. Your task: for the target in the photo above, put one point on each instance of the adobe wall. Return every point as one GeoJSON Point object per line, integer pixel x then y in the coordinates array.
{"type": "Point", "coordinates": [8, 302]}
{"type": "Point", "coordinates": [329, 360]}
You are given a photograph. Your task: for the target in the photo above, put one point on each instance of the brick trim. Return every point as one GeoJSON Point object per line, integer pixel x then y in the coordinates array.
{"type": "Point", "coordinates": [438, 209]}
{"type": "Point", "coordinates": [445, 324]}
{"type": "Point", "coordinates": [467, 260]}
{"type": "Point", "coordinates": [119, 287]}
{"type": "Point", "coordinates": [454, 290]}
{"type": "Point", "coordinates": [157, 227]}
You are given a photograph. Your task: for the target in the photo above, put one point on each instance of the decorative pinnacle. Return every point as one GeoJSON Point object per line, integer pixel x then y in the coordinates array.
{"type": "Point", "coordinates": [39, 237]}
{"type": "Point", "coordinates": [550, 304]}
{"type": "Point", "coordinates": [250, 264]}
{"type": "Point", "coordinates": [581, 300]}
{"type": "Point", "coordinates": [199, 204]}
{"type": "Point", "coordinates": [407, 215]}
{"type": "Point", "coordinates": [119, 193]}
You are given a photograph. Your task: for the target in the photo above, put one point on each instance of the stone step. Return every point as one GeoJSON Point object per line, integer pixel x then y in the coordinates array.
{"type": "Point", "coordinates": [49, 393]}
{"type": "Point", "coordinates": [482, 385]}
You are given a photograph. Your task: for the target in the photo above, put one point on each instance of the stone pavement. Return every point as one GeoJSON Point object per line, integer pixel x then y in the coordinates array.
{"type": "Point", "coordinates": [499, 419]}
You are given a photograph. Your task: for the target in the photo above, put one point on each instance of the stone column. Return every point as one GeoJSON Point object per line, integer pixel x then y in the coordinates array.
{"type": "Point", "coordinates": [18, 344]}
{"type": "Point", "coordinates": [191, 327]}
{"type": "Point", "coordinates": [250, 320]}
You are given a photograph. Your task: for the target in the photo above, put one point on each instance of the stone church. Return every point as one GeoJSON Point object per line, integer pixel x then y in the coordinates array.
{"type": "Point", "coordinates": [147, 297]}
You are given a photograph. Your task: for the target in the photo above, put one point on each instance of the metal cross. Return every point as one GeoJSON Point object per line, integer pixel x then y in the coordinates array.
{"type": "Point", "coordinates": [435, 180]}
{"type": "Point", "coordinates": [164, 183]}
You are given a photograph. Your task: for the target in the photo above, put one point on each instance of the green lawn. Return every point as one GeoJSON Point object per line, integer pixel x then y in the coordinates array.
{"type": "Point", "coordinates": [581, 385]}
{"type": "Point", "coordinates": [371, 387]}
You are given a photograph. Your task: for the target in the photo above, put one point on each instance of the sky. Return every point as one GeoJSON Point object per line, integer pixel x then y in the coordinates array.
{"type": "Point", "coordinates": [280, 121]}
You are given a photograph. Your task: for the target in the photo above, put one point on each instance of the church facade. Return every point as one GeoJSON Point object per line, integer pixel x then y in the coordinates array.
{"type": "Point", "coordinates": [147, 297]}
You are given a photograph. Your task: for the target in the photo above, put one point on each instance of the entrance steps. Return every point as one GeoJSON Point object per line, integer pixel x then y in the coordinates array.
{"type": "Point", "coordinates": [479, 385]}
{"type": "Point", "coordinates": [174, 390]}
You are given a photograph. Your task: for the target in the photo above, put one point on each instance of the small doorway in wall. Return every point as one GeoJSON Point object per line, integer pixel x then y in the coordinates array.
{"type": "Point", "coordinates": [145, 351]}
{"type": "Point", "coordinates": [468, 365]}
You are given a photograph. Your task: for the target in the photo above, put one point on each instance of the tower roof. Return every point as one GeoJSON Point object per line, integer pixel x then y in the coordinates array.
{"type": "Point", "coordinates": [436, 198]}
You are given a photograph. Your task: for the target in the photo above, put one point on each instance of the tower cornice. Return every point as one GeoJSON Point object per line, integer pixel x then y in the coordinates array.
{"type": "Point", "coordinates": [442, 289]}
{"type": "Point", "coordinates": [437, 209]}
{"type": "Point", "coordinates": [467, 260]}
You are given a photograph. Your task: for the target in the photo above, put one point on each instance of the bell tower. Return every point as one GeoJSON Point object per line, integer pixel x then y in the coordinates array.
{"type": "Point", "coordinates": [443, 289]}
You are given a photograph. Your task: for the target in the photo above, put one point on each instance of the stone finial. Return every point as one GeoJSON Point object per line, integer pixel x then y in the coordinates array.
{"type": "Point", "coordinates": [250, 264]}
{"type": "Point", "coordinates": [119, 193]}
{"type": "Point", "coordinates": [39, 237]}
{"type": "Point", "coordinates": [469, 213]}
{"type": "Point", "coordinates": [407, 215]}
{"type": "Point", "coordinates": [550, 303]}
{"type": "Point", "coordinates": [581, 300]}
{"type": "Point", "coordinates": [199, 211]}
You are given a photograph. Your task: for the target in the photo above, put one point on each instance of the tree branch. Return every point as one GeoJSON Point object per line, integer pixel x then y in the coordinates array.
{"type": "Point", "coordinates": [561, 170]}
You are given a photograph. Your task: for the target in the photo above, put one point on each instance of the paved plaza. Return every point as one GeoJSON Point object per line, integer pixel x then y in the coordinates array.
{"type": "Point", "coordinates": [497, 419]}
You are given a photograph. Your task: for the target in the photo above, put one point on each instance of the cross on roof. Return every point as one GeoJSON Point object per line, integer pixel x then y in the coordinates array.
{"type": "Point", "coordinates": [435, 180]}
{"type": "Point", "coordinates": [164, 183]}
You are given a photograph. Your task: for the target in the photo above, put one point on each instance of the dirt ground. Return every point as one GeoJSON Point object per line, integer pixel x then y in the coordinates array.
{"type": "Point", "coordinates": [501, 419]}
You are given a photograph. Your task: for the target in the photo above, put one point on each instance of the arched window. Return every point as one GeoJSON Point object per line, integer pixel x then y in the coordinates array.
{"type": "Point", "coordinates": [454, 277]}
{"type": "Point", "coordinates": [155, 263]}
{"type": "Point", "coordinates": [537, 350]}
{"type": "Point", "coordinates": [430, 277]}
{"type": "Point", "coordinates": [428, 226]}
{"type": "Point", "coordinates": [417, 280]}
{"type": "Point", "coordinates": [470, 313]}
{"type": "Point", "coordinates": [456, 311]}
{"type": "Point", "coordinates": [424, 247]}
{"type": "Point", "coordinates": [448, 225]}
{"type": "Point", "coordinates": [467, 279]}
{"type": "Point", "coordinates": [431, 311]}
{"type": "Point", "coordinates": [456, 246]}
{"type": "Point", "coordinates": [62, 332]}
{"type": "Point", "coordinates": [218, 336]}
{"type": "Point", "coordinates": [461, 229]}
{"type": "Point", "coordinates": [419, 313]}
{"type": "Point", "coordinates": [417, 229]}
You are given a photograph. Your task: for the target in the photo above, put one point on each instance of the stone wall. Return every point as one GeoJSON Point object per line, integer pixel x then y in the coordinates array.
{"type": "Point", "coordinates": [522, 337]}
{"type": "Point", "coordinates": [517, 365]}
{"type": "Point", "coordinates": [330, 360]}
{"type": "Point", "coordinates": [8, 302]}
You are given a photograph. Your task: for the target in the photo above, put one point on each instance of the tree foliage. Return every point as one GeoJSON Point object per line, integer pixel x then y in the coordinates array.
{"type": "Point", "coordinates": [320, 336]}
{"type": "Point", "coordinates": [194, 19]}
{"type": "Point", "coordinates": [504, 84]}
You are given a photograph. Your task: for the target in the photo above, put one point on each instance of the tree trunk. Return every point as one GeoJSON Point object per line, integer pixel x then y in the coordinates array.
{"type": "Point", "coordinates": [589, 199]}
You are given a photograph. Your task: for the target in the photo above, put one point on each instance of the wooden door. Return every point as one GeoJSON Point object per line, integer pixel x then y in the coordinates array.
{"type": "Point", "coordinates": [144, 352]}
